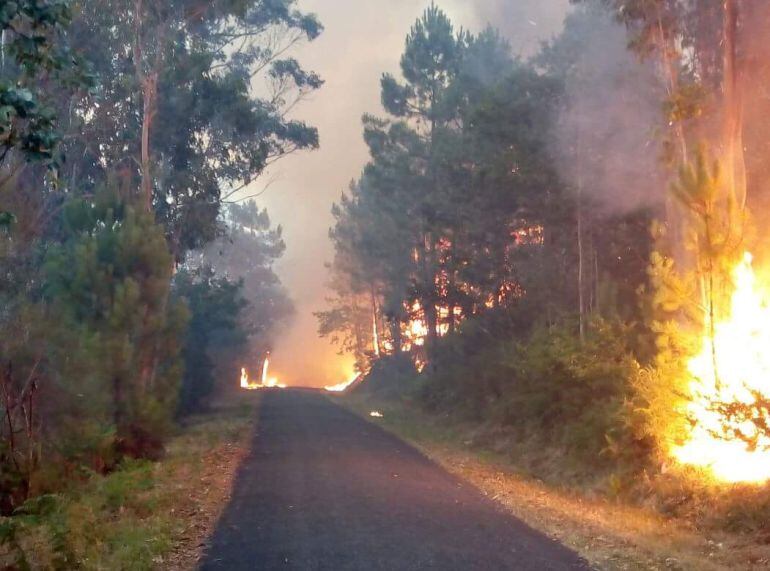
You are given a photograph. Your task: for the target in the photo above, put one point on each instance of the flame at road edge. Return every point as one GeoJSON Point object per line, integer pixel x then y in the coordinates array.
{"type": "Point", "coordinates": [341, 387]}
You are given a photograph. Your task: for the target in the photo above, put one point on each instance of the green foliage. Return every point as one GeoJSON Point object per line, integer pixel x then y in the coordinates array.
{"type": "Point", "coordinates": [108, 282]}
{"type": "Point", "coordinates": [223, 83]}
{"type": "Point", "coordinates": [392, 377]}
{"type": "Point", "coordinates": [92, 341]}
{"type": "Point", "coordinates": [128, 519]}
{"type": "Point", "coordinates": [215, 306]}
{"type": "Point", "coordinates": [457, 170]}
{"type": "Point", "coordinates": [565, 410]}
{"type": "Point", "coordinates": [575, 395]}
{"type": "Point", "coordinates": [33, 31]}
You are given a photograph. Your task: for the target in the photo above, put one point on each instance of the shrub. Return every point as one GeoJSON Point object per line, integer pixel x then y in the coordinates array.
{"type": "Point", "coordinates": [548, 395]}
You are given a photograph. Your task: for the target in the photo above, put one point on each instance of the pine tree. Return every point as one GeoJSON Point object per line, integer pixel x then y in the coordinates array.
{"type": "Point", "coordinates": [109, 281]}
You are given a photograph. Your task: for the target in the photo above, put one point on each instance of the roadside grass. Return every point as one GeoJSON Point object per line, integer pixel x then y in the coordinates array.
{"type": "Point", "coordinates": [146, 514]}
{"type": "Point", "coordinates": [608, 533]}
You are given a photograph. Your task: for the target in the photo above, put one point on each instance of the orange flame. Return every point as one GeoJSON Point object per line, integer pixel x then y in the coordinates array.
{"type": "Point", "coordinates": [267, 382]}
{"type": "Point", "coordinates": [341, 387]}
{"type": "Point", "coordinates": [733, 367]}
{"type": "Point", "coordinates": [246, 384]}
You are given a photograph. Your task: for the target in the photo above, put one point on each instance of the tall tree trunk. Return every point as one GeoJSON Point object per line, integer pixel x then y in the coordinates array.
{"type": "Point", "coordinates": [431, 324]}
{"type": "Point", "coordinates": [733, 107]}
{"type": "Point", "coordinates": [148, 81]}
{"type": "Point", "coordinates": [375, 326]}
{"type": "Point", "coordinates": [668, 55]}
{"type": "Point", "coordinates": [428, 300]}
{"type": "Point", "coordinates": [581, 261]}
{"type": "Point", "coordinates": [395, 333]}
{"type": "Point", "coordinates": [581, 270]}
{"type": "Point", "coordinates": [597, 285]}
{"type": "Point", "coordinates": [149, 94]}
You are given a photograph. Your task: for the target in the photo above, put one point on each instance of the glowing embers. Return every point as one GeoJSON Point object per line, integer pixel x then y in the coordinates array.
{"type": "Point", "coordinates": [730, 388]}
{"type": "Point", "coordinates": [341, 387]}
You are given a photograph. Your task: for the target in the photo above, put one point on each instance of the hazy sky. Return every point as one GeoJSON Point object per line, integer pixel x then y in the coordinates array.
{"type": "Point", "coordinates": [363, 39]}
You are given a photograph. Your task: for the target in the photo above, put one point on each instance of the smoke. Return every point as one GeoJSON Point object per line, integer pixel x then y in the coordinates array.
{"type": "Point", "coordinates": [362, 40]}
{"type": "Point", "coordinates": [526, 23]}
{"type": "Point", "coordinates": [607, 137]}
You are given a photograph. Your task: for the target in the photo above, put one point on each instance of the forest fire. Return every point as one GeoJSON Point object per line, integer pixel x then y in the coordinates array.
{"type": "Point", "coordinates": [730, 386]}
{"type": "Point", "coordinates": [246, 384]}
{"type": "Point", "coordinates": [265, 383]}
{"type": "Point", "coordinates": [341, 387]}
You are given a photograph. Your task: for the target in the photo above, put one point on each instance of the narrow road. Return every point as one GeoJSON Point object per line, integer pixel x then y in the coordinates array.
{"type": "Point", "coordinates": [324, 489]}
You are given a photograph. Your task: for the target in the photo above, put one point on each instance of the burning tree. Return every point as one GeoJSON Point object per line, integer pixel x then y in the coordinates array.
{"type": "Point", "coordinates": [705, 398]}
{"type": "Point", "coordinates": [709, 395]}
{"type": "Point", "coordinates": [456, 197]}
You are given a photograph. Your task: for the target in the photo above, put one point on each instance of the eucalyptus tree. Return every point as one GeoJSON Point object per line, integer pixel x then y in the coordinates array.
{"type": "Point", "coordinates": [712, 56]}
{"type": "Point", "coordinates": [194, 102]}
{"type": "Point", "coordinates": [35, 59]}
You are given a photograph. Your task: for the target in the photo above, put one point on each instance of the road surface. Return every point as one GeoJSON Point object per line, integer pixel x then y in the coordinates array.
{"type": "Point", "coordinates": [324, 489]}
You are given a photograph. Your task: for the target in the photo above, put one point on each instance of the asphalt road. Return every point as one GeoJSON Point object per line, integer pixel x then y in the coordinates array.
{"type": "Point", "coordinates": [324, 489]}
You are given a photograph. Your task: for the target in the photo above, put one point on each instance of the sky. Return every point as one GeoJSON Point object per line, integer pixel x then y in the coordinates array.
{"type": "Point", "coordinates": [362, 40]}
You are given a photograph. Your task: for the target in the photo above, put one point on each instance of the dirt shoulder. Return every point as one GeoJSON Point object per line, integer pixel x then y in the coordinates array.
{"type": "Point", "coordinates": [608, 534]}
{"type": "Point", "coordinates": [203, 486]}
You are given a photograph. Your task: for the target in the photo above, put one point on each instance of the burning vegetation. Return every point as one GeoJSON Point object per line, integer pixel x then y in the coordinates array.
{"type": "Point", "coordinates": [266, 381]}
{"type": "Point", "coordinates": [344, 385]}
{"type": "Point", "coordinates": [573, 249]}
{"type": "Point", "coordinates": [729, 391]}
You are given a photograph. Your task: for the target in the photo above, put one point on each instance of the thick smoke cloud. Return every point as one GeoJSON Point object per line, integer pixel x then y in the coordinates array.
{"type": "Point", "coordinates": [526, 23]}
{"type": "Point", "coordinates": [608, 135]}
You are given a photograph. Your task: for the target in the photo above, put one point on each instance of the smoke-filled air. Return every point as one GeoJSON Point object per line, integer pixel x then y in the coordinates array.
{"type": "Point", "coordinates": [384, 284]}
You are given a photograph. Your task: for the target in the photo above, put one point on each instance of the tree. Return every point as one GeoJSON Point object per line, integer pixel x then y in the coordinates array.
{"type": "Point", "coordinates": [458, 193]}
{"type": "Point", "coordinates": [215, 306]}
{"type": "Point", "coordinates": [247, 253]}
{"type": "Point", "coordinates": [430, 64]}
{"type": "Point", "coordinates": [708, 52]}
{"type": "Point", "coordinates": [35, 53]}
{"type": "Point", "coordinates": [109, 280]}
{"type": "Point", "coordinates": [193, 102]}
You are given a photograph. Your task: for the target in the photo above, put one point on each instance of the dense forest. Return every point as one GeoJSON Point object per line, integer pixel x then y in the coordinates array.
{"type": "Point", "coordinates": [561, 252]}
{"type": "Point", "coordinates": [562, 248]}
{"type": "Point", "coordinates": [133, 283]}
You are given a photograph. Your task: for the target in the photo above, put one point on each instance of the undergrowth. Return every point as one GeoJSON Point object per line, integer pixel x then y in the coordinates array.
{"type": "Point", "coordinates": [125, 520]}
{"type": "Point", "coordinates": [562, 411]}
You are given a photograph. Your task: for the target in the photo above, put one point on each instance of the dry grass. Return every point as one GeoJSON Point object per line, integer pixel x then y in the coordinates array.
{"type": "Point", "coordinates": [609, 534]}
{"type": "Point", "coordinates": [220, 441]}
{"type": "Point", "coordinates": [145, 515]}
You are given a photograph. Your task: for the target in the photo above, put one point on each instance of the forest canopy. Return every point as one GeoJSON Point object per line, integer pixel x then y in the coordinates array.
{"type": "Point", "coordinates": [566, 246]}
{"type": "Point", "coordinates": [132, 279]}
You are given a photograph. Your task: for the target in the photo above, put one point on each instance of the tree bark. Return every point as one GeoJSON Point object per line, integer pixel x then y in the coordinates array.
{"type": "Point", "coordinates": [148, 82]}
{"type": "Point", "coordinates": [375, 328]}
{"type": "Point", "coordinates": [733, 107]}
{"type": "Point", "coordinates": [428, 300]}
{"type": "Point", "coordinates": [149, 95]}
